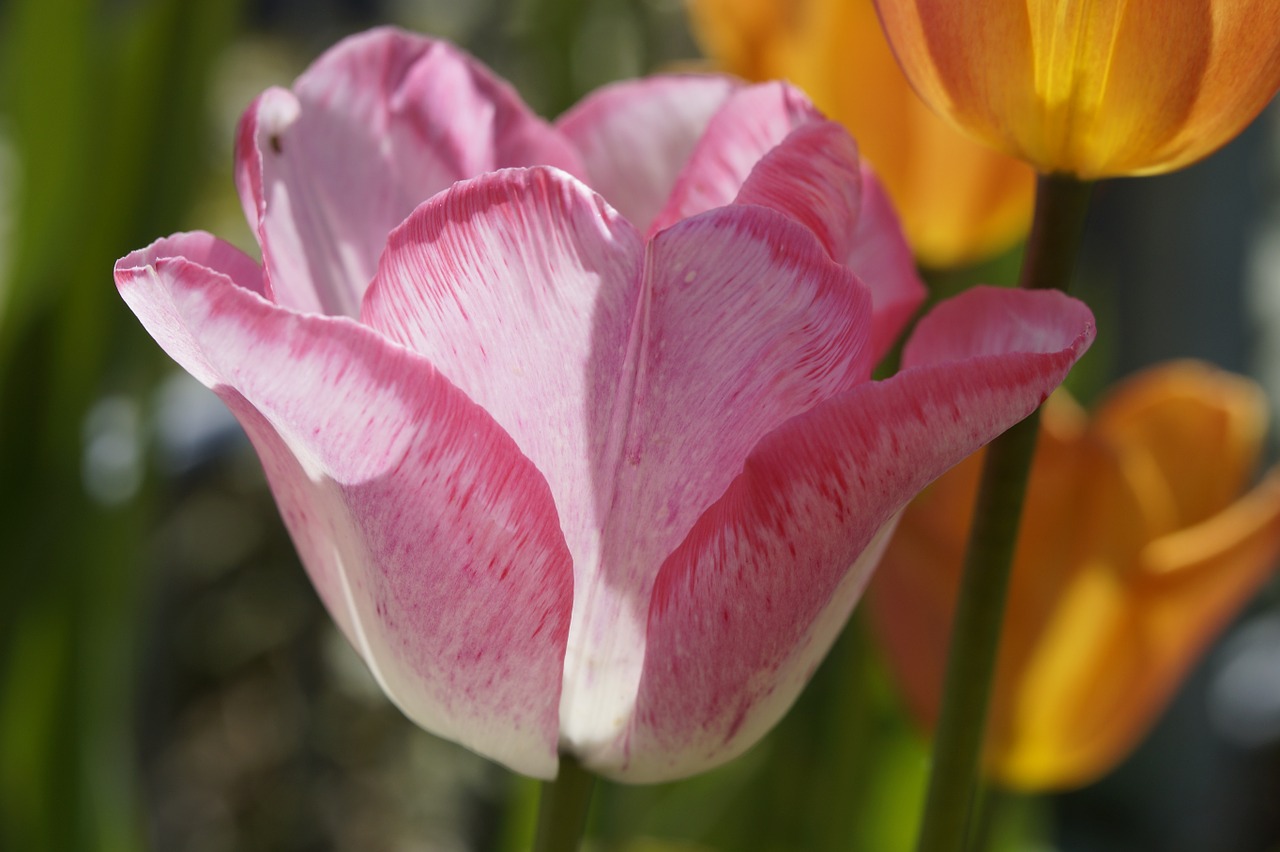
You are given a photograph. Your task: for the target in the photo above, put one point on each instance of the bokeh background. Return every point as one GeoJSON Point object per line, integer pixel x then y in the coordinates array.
{"type": "Point", "coordinates": [168, 679]}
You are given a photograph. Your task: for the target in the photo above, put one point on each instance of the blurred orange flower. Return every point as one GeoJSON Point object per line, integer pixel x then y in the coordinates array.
{"type": "Point", "coordinates": [1136, 549]}
{"type": "Point", "coordinates": [1098, 89]}
{"type": "Point", "coordinates": [958, 200]}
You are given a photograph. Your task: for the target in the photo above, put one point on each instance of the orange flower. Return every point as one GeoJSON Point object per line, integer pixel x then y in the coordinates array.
{"type": "Point", "coordinates": [1093, 89]}
{"type": "Point", "coordinates": [1136, 548]}
{"type": "Point", "coordinates": [958, 200]}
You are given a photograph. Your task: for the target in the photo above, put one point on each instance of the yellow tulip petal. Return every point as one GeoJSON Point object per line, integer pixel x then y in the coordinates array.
{"type": "Point", "coordinates": [1065, 708]}
{"type": "Point", "coordinates": [1197, 429]}
{"type": "Point", "coordinates": [1136, 548]}
{"type": "Point", "coordinates": [958, 200]}
{"type": "Point", "coordinates": [1094, 88]}
{"type": "Point", "coordinates": [1238, 82]}
{"type": "Point", "coordinates": [1062, 697]}
{"type": "Point", "coordinates": [743, 34]}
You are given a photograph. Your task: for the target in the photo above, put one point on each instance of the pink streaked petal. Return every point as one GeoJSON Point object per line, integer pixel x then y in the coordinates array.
{"type": "Point", "coordinates": [883, 260]}
{"type": "Point", "coordinates": [376, 126]}
{"type": "Point", "coordinates": [522, 286]}
{"type": "Point", "coordinates": [431, 539]}
{"type": "Point", "coordinates": [992, 321]}
{"type": "Point", "coordinates": [191, 255]}
{"type": "Point", "coordinates": [752, 599]}
{"type": "Point", "coordinates": [746, 322]}
{"type": "Point", "coordinates": [813, 176]}
{"type": "Point", "coordinates": [636, 136]}
{"type": "Point", "coordinates": [750, 123]}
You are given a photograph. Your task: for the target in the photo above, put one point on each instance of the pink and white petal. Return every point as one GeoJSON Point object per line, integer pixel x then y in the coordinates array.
{"type": "Point", "coordinates": [522, 286]}
{"type": "Point", "coordinates": [813, 176]}
{"type": "Point", "coordinates": [751, 122]}
{"type": "Point", "coordinates": [882, 259]}
{"type": "Point", "coordinates": [196, 254]}
{"type": "Point", "coordinates": [636, 136]}
{"type": "Point", "coordinates": [746, 322]}
{"type": "Point", "coordinates": [745, 608]}
{"type": "Point", "coordinates": [432, 540]}
{"type": "Point", "coordinates": [376, 126]}
{"type": "Point", "coordinates": [994, 321]}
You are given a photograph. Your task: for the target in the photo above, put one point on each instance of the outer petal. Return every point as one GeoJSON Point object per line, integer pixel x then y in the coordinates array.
{"type": "Point", "coordinates": [377, 125]}
{"type": "Point", "coordinates": [745, 324]}
{"type": "Point", "coordinates": [745, 608]}
{"type": "Point", "coordinates": [524, 285]}
{"type": "Point", "coordinates": [636, 136]}
{"type": "Point", "coordinates": [431, 539]}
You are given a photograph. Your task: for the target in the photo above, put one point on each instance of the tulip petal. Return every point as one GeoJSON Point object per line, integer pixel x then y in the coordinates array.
{"type": "Point", "coordinates": [1236, 84]}
{"type": "Point", "coordinates": [1194, 431]}
{"type": "Point", "coordinates": [814, 177]}
{"type": "Point", "coordinates": [523, 286]}
{"type": "Point", "coordinates": [746, 323]}
{"type": "Point", "coordinates": [432, 540]}
{"type": "Point", "coordinates": [1097, 89]}
{"type": "Point", "coordinates": [751, 122]}
{"type": "Point", "coordinates": [327, 170]}
{"type": "Point", "coordinates": [881, 257]}
{"type": "Point", "coordinates": [1090, 695]}
{"type": "Point", "coordinates": [635, 137]}
{"type": "Point", "coordinates": [748, 604]}
{"type": "Point", "coordinates": [1109, 610]}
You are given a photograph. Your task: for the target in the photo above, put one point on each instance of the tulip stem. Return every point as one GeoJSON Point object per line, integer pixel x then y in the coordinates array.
{"type": "Point", "coordinates": [1061, 204]}
{"type": "Point", "coordinates": [562, 812]}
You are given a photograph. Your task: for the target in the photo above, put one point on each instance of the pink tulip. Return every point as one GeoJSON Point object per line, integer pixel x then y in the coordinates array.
{"type": "Point", "coordinates": [596, 473]}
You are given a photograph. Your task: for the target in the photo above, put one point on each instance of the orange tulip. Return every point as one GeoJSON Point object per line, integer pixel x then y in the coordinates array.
{"type": "Point", "coordinates": [1092, 89]}
{"type": "Point", "coordinates": [958, 200]}
{"type": "Point", "coordinates": [1136, 549]}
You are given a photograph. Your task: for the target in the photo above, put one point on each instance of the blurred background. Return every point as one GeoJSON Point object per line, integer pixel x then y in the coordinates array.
{"type": "Point", "coordinates": [168, 679]}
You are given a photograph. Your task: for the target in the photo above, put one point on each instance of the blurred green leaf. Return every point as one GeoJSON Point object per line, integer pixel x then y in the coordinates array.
{"type": "Point", "coordinates": [104, 107]}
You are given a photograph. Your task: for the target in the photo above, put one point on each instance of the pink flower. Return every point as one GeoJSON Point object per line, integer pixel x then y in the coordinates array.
{"type": "Point", "coordinates": [603, 473]}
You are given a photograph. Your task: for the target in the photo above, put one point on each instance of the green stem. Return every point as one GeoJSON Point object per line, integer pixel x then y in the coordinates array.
{"type": "Point", "coordinates": [562, 813]}
{"type": "Point", "coordinates": [1061, 203]}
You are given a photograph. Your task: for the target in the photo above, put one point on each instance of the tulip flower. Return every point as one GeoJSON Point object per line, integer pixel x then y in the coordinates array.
{"type": "Point", "coordinates": [594, 469]}
{"type": "Point", "coordinates": [1139, 543]}
{"type": "Point", "coordinates": [959, 200]}
{"type": "Point", "coordinates": [1097, 89]}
